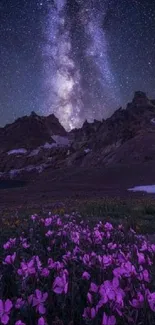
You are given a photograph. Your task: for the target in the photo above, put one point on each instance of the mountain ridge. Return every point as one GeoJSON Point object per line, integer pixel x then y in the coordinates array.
{"type": "Point", "coordinates": [34, 143]}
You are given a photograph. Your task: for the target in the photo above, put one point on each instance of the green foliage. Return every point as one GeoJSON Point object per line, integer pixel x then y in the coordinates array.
{"type": "Point", "coordinates": [140, 216]}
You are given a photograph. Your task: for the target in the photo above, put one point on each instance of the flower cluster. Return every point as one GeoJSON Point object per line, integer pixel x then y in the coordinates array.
{"type": "Point", "coordinates": [64, 268]}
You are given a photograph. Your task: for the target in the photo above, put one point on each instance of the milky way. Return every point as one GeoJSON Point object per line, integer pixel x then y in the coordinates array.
{"type": "Point", "coordinates": [80, 59]}
{"type": "Point", "coordinates": [79, 83]}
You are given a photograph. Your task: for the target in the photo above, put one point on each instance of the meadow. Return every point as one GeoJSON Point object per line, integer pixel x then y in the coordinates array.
{"type": "Point", "coordinates": [78, 263]}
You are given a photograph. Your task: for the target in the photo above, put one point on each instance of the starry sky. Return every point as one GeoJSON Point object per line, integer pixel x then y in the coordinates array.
{"type": "Point", "coordinates": [78, 59]}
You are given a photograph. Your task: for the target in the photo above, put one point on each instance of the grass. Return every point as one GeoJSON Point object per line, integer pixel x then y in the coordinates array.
{"type": "Point", "coordinates": [138, 214]}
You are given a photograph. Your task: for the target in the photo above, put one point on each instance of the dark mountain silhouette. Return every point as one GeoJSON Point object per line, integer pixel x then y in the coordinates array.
{"type": "Point", "coordinates": [34, 143]}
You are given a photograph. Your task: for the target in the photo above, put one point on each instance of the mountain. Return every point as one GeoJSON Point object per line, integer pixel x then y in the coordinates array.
{"type": "Point", "coordinates": [29, 132]}
{"type": "Point", "coordinates": [128, 135]}
{"type": "Point", "coordinates": [34, 143]}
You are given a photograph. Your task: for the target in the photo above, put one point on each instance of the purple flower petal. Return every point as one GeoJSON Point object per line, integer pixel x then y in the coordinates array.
{"type": "Point", "coordinates": [41, 321]}
{"type": "Point", "coordinates": [41, 309]}
{"type": "Point", "coordinates": [4, 319]}
{"type": "Point", "coordinates": [8, 305]}
{"type": "Point", "coordinates": [35, 301]}
{"type": "Point", "coordinates": [58, 290]}
{"type": "Point", "coordinates": [19, 322]}
{"type": "Point", "coordinates": [45, 296]}
{"type": "Point", "coordinates": [38, 294]}
{"type": "Point", "coordinates": [93, 287]}
{"type": "Point", "coordinates": [1, 307]}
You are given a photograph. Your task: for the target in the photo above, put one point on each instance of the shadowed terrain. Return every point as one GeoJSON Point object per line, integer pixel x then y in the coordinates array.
{"type": "Point", "coordinates": [81, 183]}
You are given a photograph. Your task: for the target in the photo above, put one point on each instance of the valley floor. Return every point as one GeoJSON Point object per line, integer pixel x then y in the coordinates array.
{"type": "Point", "coordinates": [82, 183]}
{"type": "Point", "coordinates": [95, 192]}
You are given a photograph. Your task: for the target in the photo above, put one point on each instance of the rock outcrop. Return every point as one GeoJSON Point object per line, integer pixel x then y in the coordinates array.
{"type": "Point", "coordinates": [30, 132]}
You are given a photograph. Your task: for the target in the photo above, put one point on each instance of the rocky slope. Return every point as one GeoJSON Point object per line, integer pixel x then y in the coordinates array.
{"type": "Point", "coordinates": [29, 132]}
{"type": "Point", "coordinates": [34, 143]}
{"type": "Point", "coordinates": [126, 137]}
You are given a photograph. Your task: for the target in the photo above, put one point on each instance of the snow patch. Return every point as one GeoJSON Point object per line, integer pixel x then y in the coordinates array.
{"type": "Point", "coordinates": [49, 145]}
{"type": "Point", "coordinates": [14, 172]}
{"type": "Point", "coordinates": [40, 168]}
{"type": "Point", "coordinates": [68, 152]}
{"type": "Point", "coordinates": [34, 152]}
{"type": "Point", "coordinates": [145, 188]}
{"type": "Point", "coordinates": [17, 151]}
{"type": "Point", "coordinates": [29, 168]}
{"type": "Point", "coordinates": [61, 141]}
{"type": "Point", "coordinates": [87, 150]}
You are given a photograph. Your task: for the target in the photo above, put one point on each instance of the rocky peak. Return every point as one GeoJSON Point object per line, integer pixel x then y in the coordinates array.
{"type": "Point", "coordinates": [29, 132]}
{"type": "Point", "coordinates": [86, 123]}
{"type": "Point", "coordinates": [140, 99]}
{"type": "Point", "coordinates": [33, 114]}
{"type": "Point", "coordinates": [53, 125]}
{"type": "Point", "coordinates": [139, 103]}
{"type": "Point", "coordinates": [117, 115]}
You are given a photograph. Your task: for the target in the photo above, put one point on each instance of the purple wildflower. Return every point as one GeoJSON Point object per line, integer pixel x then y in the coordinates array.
{"type": "Point", "coordinates": [10, 259]}
{"type": "Point", "coordinates": [38, 300]}
{"type": "Point", "coordinates": [60, 284]}
{"type": "Point", "coordinates": [86, 276]}
{"type": "Point", "coordinates": [41, 321]}
{"type": "Point", "coordinates": [19, 322]}
{"type": "Point", "coordinates": [19, 303]}
{"type": "Point", "coordinates": [5, 308]}
{"type": "Point", "coordinates": [108, 320]}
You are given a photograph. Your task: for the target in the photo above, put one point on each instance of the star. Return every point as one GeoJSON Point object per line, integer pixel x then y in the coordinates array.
{"type": "Point", "coordinates": [78, 59]}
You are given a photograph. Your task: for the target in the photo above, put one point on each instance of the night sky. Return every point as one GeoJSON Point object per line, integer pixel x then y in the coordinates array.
{"type": "Point", "coordinates": [80, 59]}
